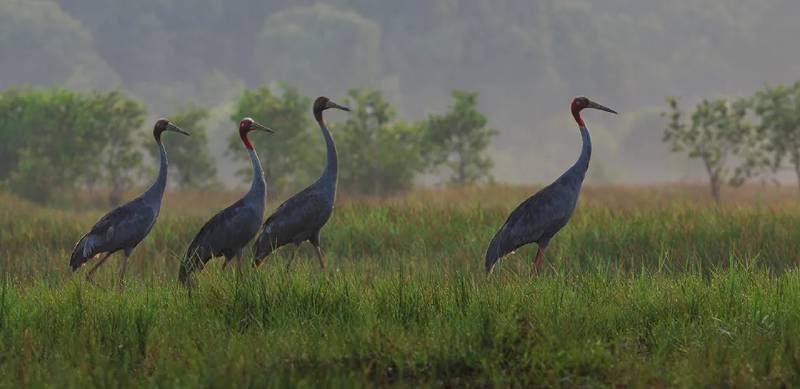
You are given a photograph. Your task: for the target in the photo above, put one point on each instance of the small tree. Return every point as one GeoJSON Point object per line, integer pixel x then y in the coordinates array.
{"type": "Point", "coordinates": [718, 132]}
{"type": "Point", "coordinates": [459, 138]}
{"type": "Point", "coordinates": [65, 140]}
{"type": "Point", "coordinates": [778, 109]}
{"type": "Point", "coordinates": [293, 154]}
{"type": "Point", "coordinates": [301, 42]}
{"type": "Point", "coordinates": [114, 119]}
{"type": "Point", "coordinates": [12, 137]}
{"type": "Point", "coordinates": [43, 118]}
{"type": "Point", "coordinates": [191, 163]}
{"type": "Point", "coordinates": [377, 155]}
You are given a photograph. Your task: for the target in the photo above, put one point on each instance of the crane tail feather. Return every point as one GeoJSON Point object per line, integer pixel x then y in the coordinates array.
{"type": "Point", "coordinates": [493, 254]}
{"type": "Point", "coordinates": [83, 251]}
{"type": "Point", "coordinates": [192, 262]}
{"type": "Point", "coordinates": [264, 246]}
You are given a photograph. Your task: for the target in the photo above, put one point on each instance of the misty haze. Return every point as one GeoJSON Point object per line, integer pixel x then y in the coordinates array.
{"type": "Point", "coordinates": [407, 193]}
{"type": "Point", "coordinates": [525, 58]}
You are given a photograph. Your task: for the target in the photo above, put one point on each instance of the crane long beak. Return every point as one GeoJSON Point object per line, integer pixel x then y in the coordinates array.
{"type": "Point", "coordinates": [175, 128]}
{"type": "Point", "coordinates": [331, 104]}
{"type": "Point", "coordinates": [258, 126]}
{"type": "Point", "coordinates": [594, 105]}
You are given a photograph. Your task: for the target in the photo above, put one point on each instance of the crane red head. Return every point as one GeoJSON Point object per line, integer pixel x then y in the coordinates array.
{"type": "Point", "coordinates": [322, 103]}
{"type": "Point", "coordinates": [579, 103]}
{"type": "Point", "coordinates": [165, 125]}
{"type": "Point", "coordinates": [247, 125]}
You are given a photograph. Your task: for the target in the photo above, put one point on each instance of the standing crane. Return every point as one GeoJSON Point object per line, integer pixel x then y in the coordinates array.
{"type": "Point", "coordinates": [231, 229]}
{"type": "Point", "coordinates": [303, 215]}
{"type": "Point", "coordinates": [126, 226]}
{"type": "Point", "coordinates": [542, 215]}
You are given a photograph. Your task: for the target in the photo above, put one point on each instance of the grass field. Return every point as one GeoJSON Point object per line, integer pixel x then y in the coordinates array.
{"type": "Point", "coordinates": [645, 287]}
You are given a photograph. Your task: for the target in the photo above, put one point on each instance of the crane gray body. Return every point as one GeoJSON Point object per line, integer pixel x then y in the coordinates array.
{"type": "Point", "coordinates": [297, 220]}
{"type": "Point", "coordinates": [125, 227]}
{"type": "Point", "coordinates": [542, 215]}
{"type": "Point", "coordinates": [302, 216]}
{"type": "Point", "coordinates": [230, 230]}
{"type": "Point", "coordinates": [121, 229]}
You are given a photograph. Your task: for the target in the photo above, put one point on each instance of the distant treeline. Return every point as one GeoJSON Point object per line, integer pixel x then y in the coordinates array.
{"type": "Point", "coordinates": [738, 139]}
{"type": "Point", "coordinates": [56, 141]}
{"type": "Point", "coordinates": [525, 56]}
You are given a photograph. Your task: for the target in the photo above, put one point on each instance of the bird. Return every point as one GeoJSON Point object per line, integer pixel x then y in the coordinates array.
{"type": "Point", "coordinates": [230, 230]}
{"type": "Point", "coordinates": [126, 226]}
{"type": "Point", "coordinates": [302, 216]}
{"type": "Point", "coordinates": [542, 215]}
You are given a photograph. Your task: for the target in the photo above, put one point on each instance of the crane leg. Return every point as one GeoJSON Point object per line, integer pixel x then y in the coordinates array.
{"type": "Point", "coordinates": [320, 257]}
{"type": "Point", "coordinates": [124, 267]}
{"type": "Point", "coordinates": [291, 257]}
{"type": "Point", "coordinates": [90, 274]}
{"type": "Point", "coordinates": [537, 262]}
{"type": "Point", "coordinates": [239, 263]}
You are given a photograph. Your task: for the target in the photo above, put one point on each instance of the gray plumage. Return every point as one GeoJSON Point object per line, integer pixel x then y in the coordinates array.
{"type": "Point", "coordinates": [542, 215]}
{"type": "Point", "coordinates": [301, 217]}
{"type": "Point", "coordinates": [230, 230]}
{"type": "Point", "coordinates": [126, 226]}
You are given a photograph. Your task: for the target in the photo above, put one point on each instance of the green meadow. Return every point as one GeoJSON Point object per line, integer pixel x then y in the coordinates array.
{"type": "Point", "coordinates": [647, 286]}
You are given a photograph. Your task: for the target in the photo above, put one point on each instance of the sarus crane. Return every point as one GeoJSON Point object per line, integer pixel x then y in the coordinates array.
{"type": "Point", "coordinates": [542, 215]}
{"type": "Point", "coordinates": [229, 231]}
{"type": "Point", "coordinates": [126, 226]}
{"type": "Point", "coordinates": [303, 215]}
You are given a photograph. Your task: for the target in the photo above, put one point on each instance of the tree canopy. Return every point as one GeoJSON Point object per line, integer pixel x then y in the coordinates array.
{"type": "Point", "coordinates": [191, 164]}
{"type": "Point", "coordinates": [293, 154]}
{"type": "Point", "coordinates": [458, 140]}
{"type": "Point", "coordinates": [526, 58]}
{"type": "Point", "coordinates": [63, 140]}
{"type": "Point", "coordinates": [378, 154]}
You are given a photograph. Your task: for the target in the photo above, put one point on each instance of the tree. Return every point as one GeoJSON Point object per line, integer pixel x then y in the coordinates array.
{"type": "Point", "coordinates": [54, 140]}
{"type": "Point", "coordinates": [12, 137]}
{"type": "Point", "coordinates": [377, 155]}
{"type": "Point", "coordinates": [292, 155]}
{"type": "Point", "coordinates": [66, 140]}
{"type": "Point", "coordinates": [191, 164]}
{"type": "Point", "coordinates": [40, 45]}
{"type": "Point", "coordinates": [718, 132]}
{"type": "Point", "coordinates": [459, 138]}
{"type": "Point", "coordinates": [114, 119]}
{"type": "Point", "coordinates": [320, 47]}
{"type": "Point", "coordinates": [778, 109]}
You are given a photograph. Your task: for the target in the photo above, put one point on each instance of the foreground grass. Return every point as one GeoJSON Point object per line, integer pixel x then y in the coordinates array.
{"type": "Point", "coordinates": [637, 292]}
{"type": "Point", "coordinates": [738, 327]}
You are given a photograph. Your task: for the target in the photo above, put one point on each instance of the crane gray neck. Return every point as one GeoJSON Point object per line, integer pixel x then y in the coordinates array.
{"type": "Point", "coordinates": [332, 164]}
{"type": "Point", "coordinates": [578, 170]}
{"type": "Point", "coordinates": [156, 191]}
{"type": "Point", "coordinates": [258, 186]}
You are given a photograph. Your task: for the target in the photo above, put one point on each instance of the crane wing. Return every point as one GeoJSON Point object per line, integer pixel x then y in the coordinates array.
{"type": "Point", "coordinates": [121, 228]}
{"type": "Point", "coordinates": [300, 215]}
{"type": "Point", "coordinates": [224, 231]}
{"type": "Point", "coordinates": [123, 225]}
{"type": "Point", "coordinates": [537, 219]}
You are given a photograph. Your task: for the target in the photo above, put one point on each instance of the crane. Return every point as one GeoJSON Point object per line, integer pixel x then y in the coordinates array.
{"type": "Point", "coordinates": [542, 215]}
{"type": "Point", "coordinates": [303, 215]}
{"type": "Point", "coordinates": [126, 226]}
{"type": "Point", "coordinates": [227, 232]}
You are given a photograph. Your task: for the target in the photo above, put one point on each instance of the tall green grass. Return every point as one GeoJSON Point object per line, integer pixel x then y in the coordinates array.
{"type": "Point", "coordinates": [656, 294]}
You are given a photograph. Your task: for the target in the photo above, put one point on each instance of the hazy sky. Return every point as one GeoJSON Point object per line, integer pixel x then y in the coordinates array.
{"type": "Point", "coordinates": [527, 59]}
